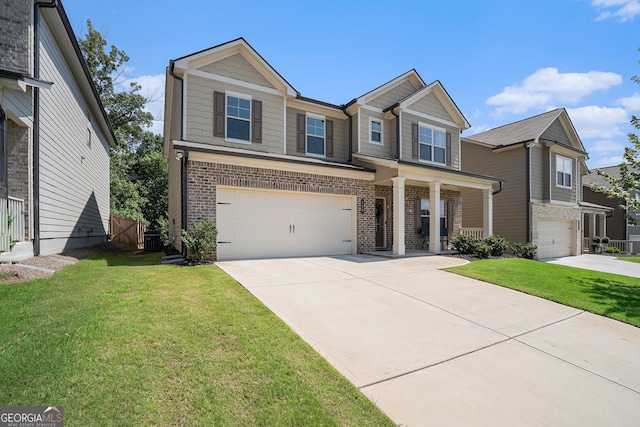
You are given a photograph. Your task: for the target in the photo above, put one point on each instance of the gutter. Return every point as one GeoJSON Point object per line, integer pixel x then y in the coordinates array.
{"type": "Point", "coordinates": [172, 65]}
{"type": "Point", "coordinates": [500, 189]}
{"type": "Point", "coordinates": [36, 123]}
{"type": "Point", "coordinates": [344, 110]}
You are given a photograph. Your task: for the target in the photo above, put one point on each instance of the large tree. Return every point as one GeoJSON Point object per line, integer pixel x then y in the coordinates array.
{"type": "Point", "coordinates": [627, 186]}
{"type": "Point", "coordinates": [139, 173]}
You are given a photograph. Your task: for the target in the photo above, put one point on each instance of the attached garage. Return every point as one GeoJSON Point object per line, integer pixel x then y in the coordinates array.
{"type": "Point", "coordinates": [271, 224]}
{"type": "Point", "coordinates": [555, 238]}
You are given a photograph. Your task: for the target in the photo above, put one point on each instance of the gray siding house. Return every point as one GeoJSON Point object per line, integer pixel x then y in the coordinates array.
{"type": "Point", "coordinates": [542, 160]}
{"type": "Point", "coordinates": [54, 138]}
{"type": "Point", "coordinates": [281, 174]}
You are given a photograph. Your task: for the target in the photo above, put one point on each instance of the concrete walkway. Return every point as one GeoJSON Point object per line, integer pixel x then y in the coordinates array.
{"type": "Point", "coordinates": [603, 263]}
{"type": "Point", "coordinates": [433, 348]}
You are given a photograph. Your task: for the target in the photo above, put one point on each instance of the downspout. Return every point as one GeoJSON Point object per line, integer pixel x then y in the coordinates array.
{"type": "Point", "coordinates": [344, 110]}
{"type": "Point", "coordinates": [527, 147]}
{"type": "Point", "coordinates": [184, 171]}
{"type": "Point", "coordinates": [392, 109]}
{"type": "Point", "coordinates": [36, 123]}
{"type": "Point", "coordinates": [499, 189]}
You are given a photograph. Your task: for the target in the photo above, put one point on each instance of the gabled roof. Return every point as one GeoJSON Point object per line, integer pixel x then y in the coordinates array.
{"type": "Point", "coordinates": [411, 76]}
{"type": "Point", "coordinates": [241, 46]}
{"type": "Point", "coordinates": [521, 131]}
{"type": "Point", "coordinates": [443, 96]}
{"type": "Point", "coordinates": [594, 178]}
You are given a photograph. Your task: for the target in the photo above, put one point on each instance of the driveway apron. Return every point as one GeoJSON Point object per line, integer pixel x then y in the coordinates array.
{"type": "Point", "coordinates": [433, 348]}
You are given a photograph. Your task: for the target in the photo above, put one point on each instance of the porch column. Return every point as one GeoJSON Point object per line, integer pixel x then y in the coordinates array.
{"type": "Point", "coordinates": [434, 217]}
{"type": "Point", "coordinates": [602, 222]}
{"type": "Point", "coordinates": [398, 216]}
{"type": "Point", "coordinates": [487, 213]}
{"type": "Point", "coordinates": [592, 228]}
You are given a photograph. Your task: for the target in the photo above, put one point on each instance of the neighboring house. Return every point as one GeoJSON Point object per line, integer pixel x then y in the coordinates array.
{"type": "Point", "coordinates": [542, 160]}
{"type": "Point", "coordinates": [55, 135]}
{"type": "Point", "coordinates": [617, 225]}
{"type": "Point", "coordinates": [284, 175]}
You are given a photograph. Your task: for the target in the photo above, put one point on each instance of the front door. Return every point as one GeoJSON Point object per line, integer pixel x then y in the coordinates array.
{"type": "Point", "coordinates": [381, 221]}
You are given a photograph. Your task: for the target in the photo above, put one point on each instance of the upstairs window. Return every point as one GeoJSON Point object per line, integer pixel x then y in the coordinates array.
{"type": "Point", "coordinates": [238, 118]}
{"type": "Point", "coordinates": [315, 135]}
{"type": "Point", "coordinates": [375, 136]}
{"type": "Point", "coordinates": [432, 144]}
{"type": "Point", "coordinates": [563, 172]}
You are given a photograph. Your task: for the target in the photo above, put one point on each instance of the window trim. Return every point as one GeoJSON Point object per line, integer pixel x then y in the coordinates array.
{"type": "Point", "coordinates": [444, 210]}
{"type": "Point", "coordinates": [433, 146]}
{"type": "Point", "coordinates": [227, 94]}
{"type": "Point", "coordinates": [564, 159]}
{"type": "Point", "coordinates": [371, 141]}
{"type": "Point", "coordinates": [324, 137]}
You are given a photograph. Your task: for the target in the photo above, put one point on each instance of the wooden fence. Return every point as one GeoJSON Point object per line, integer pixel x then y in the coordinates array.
{"type": "Point", "coordinates": [127, 231]}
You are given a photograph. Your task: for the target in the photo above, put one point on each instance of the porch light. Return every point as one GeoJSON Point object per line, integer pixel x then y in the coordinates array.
{"type": "Point", "coordinates": [361, 206]}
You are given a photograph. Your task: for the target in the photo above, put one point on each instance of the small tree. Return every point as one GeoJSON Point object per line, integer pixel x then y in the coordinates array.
{"type": "Point", "coordinates": [201, 241]}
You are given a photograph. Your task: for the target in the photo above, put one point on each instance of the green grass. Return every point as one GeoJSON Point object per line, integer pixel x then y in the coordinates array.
{"type": "Point", "coordinates": [630, 258]}
{"type": "Point", "coordinates": [606, 294]}
{"type": "Point", "coordinates": [119, 340]}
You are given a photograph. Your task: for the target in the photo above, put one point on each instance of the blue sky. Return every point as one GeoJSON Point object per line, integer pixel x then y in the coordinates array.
{"type": "Point", "coordinates": [500, 60]}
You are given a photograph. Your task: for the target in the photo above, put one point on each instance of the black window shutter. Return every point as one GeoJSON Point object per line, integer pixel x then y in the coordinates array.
{"type": "Point", "coordinates": [329, 125]}
{"type": "Point", "coordinates": [218, 114]}
{"type": "Point", "coordinates": [256, 121]}
{"type": "Point", "coordinates": [448, 149]}
{"type": "Point", "coordinates": [301, 133]}
{"type": "Point", "coordinates": [414, 140]}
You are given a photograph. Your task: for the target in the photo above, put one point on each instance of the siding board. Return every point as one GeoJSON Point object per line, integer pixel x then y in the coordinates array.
{"type": "Point", "coordinates": [394, 95]}
{"type": "Point", "coordinates": [237, 67]}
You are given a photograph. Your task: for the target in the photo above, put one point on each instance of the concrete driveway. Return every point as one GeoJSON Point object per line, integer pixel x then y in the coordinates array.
{"type": "Point", "coordinates": [603, 263]}
{"type": "Point", "coordinates": [432, 348]}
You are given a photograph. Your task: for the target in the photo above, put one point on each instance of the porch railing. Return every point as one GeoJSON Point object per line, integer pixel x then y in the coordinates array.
{"type": "Point", "coordinates": [11, 208]}
{"type": "Point", "coordinates": [477, 232]}
{"type": "Point", "coordinates": [624, 246]}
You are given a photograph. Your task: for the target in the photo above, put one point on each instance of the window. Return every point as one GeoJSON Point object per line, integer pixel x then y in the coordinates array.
{"type": "Point", "coordinates": [432, 144]}
{"type": "Point", "coordinates": [375, 136]}
{"type": "Point", "coordinates": [425, 211]}
{"type": "Point", "coordinates": [238, 118]}
{"type": "Point", "coordinates": [315, 135]}
{"type": "Point", "coordinates": [563, 172]}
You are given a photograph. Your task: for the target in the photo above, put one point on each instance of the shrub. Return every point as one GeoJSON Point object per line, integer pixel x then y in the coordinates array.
{"type": "Point", "coordinates": [597, 240]}
{"type": "Point", "coordinates": [497, 245]}
{"type": "Point", "coordinates": [524, 250]}
{"type": "Point", "coordinates": [201, 241]}
{"type": "Point", "coordinates": [465, 245]}
{"type": "Point", "coordinates": [605, 240]}
{"type": "Point", "coordinates": [484, 250]}
{"type": "Point", "coordinates": [612, 250]}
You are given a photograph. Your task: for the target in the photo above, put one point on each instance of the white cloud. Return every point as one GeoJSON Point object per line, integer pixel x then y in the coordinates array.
{"type": "Point", "coordinates": [594, 121]}
{"type": "Point", "coordinates": [625, 10]}
{"type": "Point", "coordinates": [547, 86]}
{"type": "Point", "coordinates": [604, 147]}
{"type": "Point", "coordinates": [631, 103]}
{"type": "Point", "coordinates": [153, 90]}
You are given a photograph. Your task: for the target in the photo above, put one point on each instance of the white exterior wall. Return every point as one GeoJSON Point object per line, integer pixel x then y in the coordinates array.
{"type": "Point", "coordinates": [74, 176]}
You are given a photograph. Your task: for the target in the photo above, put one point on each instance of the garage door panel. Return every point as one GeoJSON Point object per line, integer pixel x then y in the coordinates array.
{"type": "Point", "coordinates": [554, 239]}
{"type": "Point", "coordinates": [278, 224]}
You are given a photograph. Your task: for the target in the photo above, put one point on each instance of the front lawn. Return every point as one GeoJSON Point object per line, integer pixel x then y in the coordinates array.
{"type": "Point", "coordinates": [119, 340]}
{"type": "Point", "coordinates": [610, 295]}
{"type": "Point", "coordinates": [630, 258]}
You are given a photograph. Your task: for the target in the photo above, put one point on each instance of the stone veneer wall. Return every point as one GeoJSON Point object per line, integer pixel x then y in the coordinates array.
{"type": "Point", "coordinates": [15, 17]}
{"type": "Point", "coordinates": [203, 177]}
{"type": "Point", "coordinates": [542, 211]}
{"type": "Point", "coordinates": [18, 166]}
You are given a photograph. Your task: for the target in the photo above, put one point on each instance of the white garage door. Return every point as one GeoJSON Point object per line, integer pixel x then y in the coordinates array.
{"type": "Point", "coordinates": [554, 239]}
{"type": "Point", "coordinates": [271, 224]}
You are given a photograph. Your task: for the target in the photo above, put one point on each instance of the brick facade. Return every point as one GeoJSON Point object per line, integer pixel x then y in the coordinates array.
{"type": "Point", "coordinates": [18, 166]}
{"type": "Point", "coordinates": [15, 17]}
{"type": "Point", "coordinates": [203, 177]}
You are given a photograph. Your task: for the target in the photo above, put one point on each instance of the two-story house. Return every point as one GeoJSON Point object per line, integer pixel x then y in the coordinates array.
{"type": "Point", "coordinates": [54, 136]}
{"type": "Point", "coordinates": [281, 174]}
{"type": "Point", "coordinates": [617, 226]}
{"type": "Point", "coordinates": [542, 160]}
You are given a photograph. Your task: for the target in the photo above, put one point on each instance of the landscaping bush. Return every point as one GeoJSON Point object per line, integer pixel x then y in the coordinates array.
{"type": "Point", "coordinates": [201, 241]}
{"type": "Point", "coordinates": [465, 245]}
{"type": "Point", "coordinates": [484, 250]}
{"type": "Point", "coordinates": [524, 250]}
{"type": "Point", "coordinates": [612, 250]}
{"type": "Point", "coordinates": [605, 240]}
{"type": "Point", "coordinates": [497, 245]}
